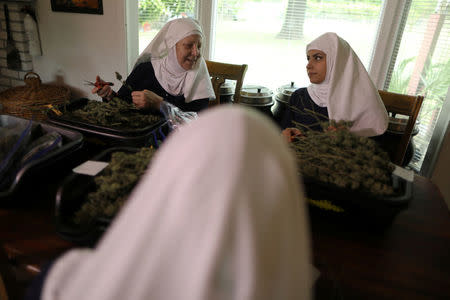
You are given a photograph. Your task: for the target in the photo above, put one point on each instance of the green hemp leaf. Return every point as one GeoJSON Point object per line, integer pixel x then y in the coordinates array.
{"type": "Point", "coordinates": [119, 77]}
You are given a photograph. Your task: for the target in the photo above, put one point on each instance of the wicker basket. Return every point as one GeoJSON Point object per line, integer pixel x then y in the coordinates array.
{"type": "Point", "coordinates": [31, 100]}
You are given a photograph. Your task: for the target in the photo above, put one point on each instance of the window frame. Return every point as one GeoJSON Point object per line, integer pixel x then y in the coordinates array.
{"type": "Point", "coordinates": [132, 30]}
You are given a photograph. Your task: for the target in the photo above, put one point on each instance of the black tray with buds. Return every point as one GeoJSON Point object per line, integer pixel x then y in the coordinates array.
{"type": "Point", "coordinates": [357, 206]}
{"type": "Point", "coordinates": [109, 136]}
{"type": "Point", "coordinates": [72, 194]}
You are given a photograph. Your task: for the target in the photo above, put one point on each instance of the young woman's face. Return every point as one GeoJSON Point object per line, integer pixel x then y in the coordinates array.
{"type": "Point", "coordinates": [188, 51]}
{"type": "Point", "coordinates": [316, 66]}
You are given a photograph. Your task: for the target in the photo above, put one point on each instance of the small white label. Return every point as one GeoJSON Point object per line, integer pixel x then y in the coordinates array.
{"type": "Point", "coordinates": [406, 174]}
{"type": "Point", "coordinates": [90, 167]}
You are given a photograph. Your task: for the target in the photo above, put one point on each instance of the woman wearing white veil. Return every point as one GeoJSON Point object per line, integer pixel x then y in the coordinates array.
{"type": "Point", "coordinates": [170, 69]}
{"type": "Point", "coordinates": [340, 89]}
{"type": "Point", "coordinates": [230, 225]}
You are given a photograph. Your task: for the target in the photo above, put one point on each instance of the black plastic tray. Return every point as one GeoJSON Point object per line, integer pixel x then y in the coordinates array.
{"type": "Point", "coordinates": [153, 134]}
{"type": "Point", "coordinates": [71, 195]}
{"type": "Point", "coordinates": [80, 103]}
{"type": "Point", "coordinates": [359, 207]}
{"type": "Point", "coordinates": [40, 172]}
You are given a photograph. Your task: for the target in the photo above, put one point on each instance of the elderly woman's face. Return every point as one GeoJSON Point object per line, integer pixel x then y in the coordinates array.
{"type": "Point", "coordinates": [188, 51]}
{"type": "Point", "coordinates": [317, 65]}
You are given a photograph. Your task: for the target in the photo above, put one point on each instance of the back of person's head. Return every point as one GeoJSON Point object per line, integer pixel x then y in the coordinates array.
{"type": "Point", "coordinates": [219, 215]}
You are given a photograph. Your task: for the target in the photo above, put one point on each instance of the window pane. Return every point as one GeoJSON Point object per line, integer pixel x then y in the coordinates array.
{"type": "Point", "coordinates": [153, 14]}
{"type": "Point", "coordinates": [270, 36]}
{"type": "Point", "coordinates": [423, 66]}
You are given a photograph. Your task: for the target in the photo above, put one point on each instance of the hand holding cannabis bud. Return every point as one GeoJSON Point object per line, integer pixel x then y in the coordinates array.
{"type": "Point", "coordinates": [103, 88]}
{"type": "Point", "coordinates": [146, 99]}
{"type": "Point", "coordinates": [142, 99]}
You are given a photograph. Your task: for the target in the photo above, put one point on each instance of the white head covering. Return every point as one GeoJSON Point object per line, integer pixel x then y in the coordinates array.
{"type": "Point", "coordinates": [229, 224]}
{"type": "Point", "coordinates": [347, 91]}
{"type": "Point", "coordinates": [193, 84]}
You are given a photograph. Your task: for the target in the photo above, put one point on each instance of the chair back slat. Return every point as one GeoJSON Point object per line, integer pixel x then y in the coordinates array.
{"type": "Point", "coordinates": [220, 71]}
{"type": "Point", "coordinates": [406, 105]}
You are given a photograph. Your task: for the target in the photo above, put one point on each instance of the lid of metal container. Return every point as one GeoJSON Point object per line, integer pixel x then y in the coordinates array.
{"type": "Point", "coordinates": [227, 88]}
{"type": "Point", "coordinates": [256, 95]}
{"type": "Point", "coordinates": [284, 92]}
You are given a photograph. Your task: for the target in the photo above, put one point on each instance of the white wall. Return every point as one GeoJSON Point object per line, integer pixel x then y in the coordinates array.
{"type": "Point", "coordinates": [77, 47]}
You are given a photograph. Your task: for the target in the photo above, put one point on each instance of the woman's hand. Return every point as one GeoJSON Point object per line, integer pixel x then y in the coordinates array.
{"type": "Point", "coordinates": [103, 89]}
{"type": "Point", "coordinates": [146, 99]}
{"type": "Point", "coordinates": [291, 133]}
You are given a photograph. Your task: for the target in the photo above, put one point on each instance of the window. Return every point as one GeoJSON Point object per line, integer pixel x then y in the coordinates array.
{"type": "Point", "coordinates": [421, 65]}
{"type": "Point", "coordinates": [271, 35]}
{"type": "Point", "coordinates": [153, 14]}
{"type": "Point", "coordinates": [404, 44]}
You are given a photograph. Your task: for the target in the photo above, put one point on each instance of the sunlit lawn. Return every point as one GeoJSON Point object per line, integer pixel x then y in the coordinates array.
{"type": "Point", "coordinates": [273, 62]}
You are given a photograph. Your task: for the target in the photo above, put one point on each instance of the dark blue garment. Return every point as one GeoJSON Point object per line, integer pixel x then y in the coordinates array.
{"type": "Point", "coordinates": [143, 77]}
{"type": "Point", "coordinates": [34, 290]}
{"type": "Point", "coordinates": [301, 100]}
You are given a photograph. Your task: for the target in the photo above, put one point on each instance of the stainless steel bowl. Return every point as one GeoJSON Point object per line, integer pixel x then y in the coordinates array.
{"type": "Point", "coordinates": [284, 92]}
{"type": "Point", "coordinates": [256, 95]}
{"type": "Point", "coordinates": [227, 92]}
{"type": "Point", "coordinates": [227, 88]}
{"type": "Point", "coordinates": [282, 97]}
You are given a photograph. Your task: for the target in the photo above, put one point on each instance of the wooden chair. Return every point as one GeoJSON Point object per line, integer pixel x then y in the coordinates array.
{"type": "Point", "coordinates": [403, 105]}
{"type": "Point", "coordinates": [219, 72]}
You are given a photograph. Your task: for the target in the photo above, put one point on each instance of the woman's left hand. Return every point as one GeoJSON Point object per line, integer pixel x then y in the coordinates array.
{"type": "Point", "coordinates": [146, 99]}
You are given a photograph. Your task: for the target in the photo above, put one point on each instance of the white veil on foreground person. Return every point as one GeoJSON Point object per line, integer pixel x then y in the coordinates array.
{"type": "Point", "coordinates": [195, 83]}
{"type": "Point", "coordinates": [230, 224]}
{"type": "Point", "coordinates": [347, 91]}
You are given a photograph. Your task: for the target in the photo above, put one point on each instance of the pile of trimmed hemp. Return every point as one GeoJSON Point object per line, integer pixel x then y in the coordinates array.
{"type": "Point", "coordinates": [338, 157]}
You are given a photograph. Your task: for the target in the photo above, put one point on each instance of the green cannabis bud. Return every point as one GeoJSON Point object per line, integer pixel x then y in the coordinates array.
{"type": "Point", "coordinates": [115, 113]}
{"type": "Point", "coordinates": [340, 158]}
{"type": "Point", "coordinates": [119, 77]}
{"type": "Point", "coordinates": [113, 185]}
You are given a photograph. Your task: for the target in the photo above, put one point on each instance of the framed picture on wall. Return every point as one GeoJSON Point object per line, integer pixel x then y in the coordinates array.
{"type": "Point", "coordinates": [78, 6]}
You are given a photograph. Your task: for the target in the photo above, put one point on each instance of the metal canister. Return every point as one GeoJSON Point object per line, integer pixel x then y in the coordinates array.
{"type": "Point", "coordinates": [227, 92]}
{"type": "Point", "coordinates": [258, 97]}
{"type": "Point", "coordinates": [282, 97]}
